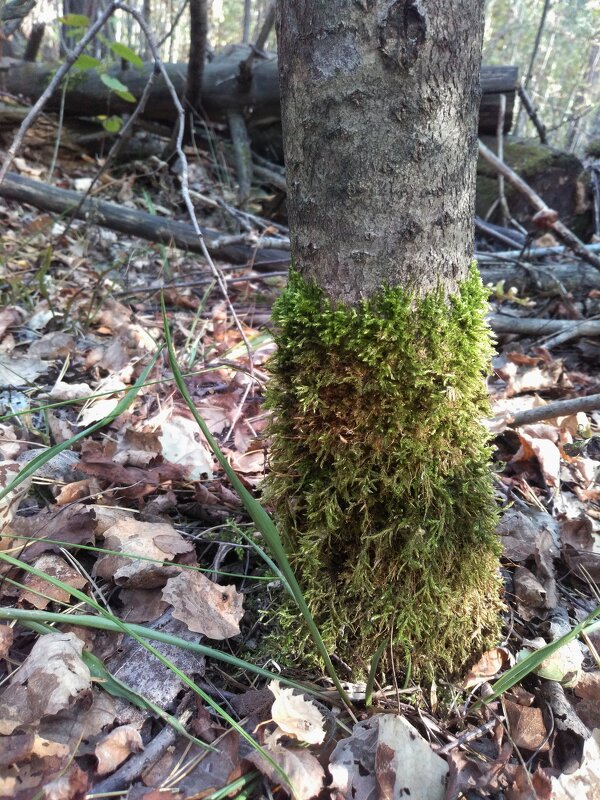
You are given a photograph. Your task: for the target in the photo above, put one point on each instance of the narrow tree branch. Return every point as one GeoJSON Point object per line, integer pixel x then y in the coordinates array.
{"type": "Point", "coordinates": [560, 408]}
{"type": "Point", "coordinates": [542, 327]}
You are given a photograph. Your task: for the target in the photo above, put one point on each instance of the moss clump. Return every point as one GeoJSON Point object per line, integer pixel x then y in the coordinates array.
{"type": "Point", "coordinates": [380, 474]}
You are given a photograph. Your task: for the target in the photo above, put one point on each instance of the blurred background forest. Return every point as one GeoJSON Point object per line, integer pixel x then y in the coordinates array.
{"type": "Point", "coordinates": [555, 44]}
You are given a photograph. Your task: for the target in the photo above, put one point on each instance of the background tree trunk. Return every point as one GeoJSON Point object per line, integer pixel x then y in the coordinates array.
{"type": "Point", "coordinates": [380, 479]}
{"type": "Point", "coordinates": [197, 56]}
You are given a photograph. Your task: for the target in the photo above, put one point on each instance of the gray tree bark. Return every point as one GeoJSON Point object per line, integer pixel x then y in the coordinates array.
{"type": "Point", "coordinates": [379, 111]}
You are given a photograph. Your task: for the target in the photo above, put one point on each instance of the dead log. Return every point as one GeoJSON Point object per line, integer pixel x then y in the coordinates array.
{"type": "Point", "coordinates": [554, 223]}
{"type": "Point", "coordinates": [555, 175]}
{"type": "Point", "coordinates": [222, 91]}
{"type": "Point", "coordinates": [534, 326]}
{"type": "Point", "coordinates": [548, 279]}
{"type": "Point", "coordinates": [134, 223]}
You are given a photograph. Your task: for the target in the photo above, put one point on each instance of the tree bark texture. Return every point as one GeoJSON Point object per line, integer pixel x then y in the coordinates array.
{"type": "Point", "coordinates": [395, 206]}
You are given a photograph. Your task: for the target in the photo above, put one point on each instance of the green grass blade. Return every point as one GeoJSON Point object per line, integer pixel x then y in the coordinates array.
{"type": "Point", "coordinates": [372, 672]}
{"type": "Point", "coordinates": [38, 618]}
{"type": "Point", "coordinates": [532, 661]}
{"type": "Point", "coordinates": [137, 557]}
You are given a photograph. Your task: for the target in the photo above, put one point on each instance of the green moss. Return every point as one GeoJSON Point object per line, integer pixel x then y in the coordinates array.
{"type": "Point", "coordinates": [592, 148]}
{"type": "Point", "coordinates": [380, 476]}
{"type": "Point", "coordinates": [527, 157]}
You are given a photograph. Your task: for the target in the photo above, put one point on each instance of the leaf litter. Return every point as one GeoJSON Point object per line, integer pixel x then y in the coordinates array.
{"type": "Point", "coordinates": [140, 518]}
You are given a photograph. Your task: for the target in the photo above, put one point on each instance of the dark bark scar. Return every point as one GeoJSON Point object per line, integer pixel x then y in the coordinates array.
{"type": "Point", "coordinates": [402, 33]}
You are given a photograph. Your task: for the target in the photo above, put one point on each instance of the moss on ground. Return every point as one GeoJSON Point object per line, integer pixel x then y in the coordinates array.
{"type": "Point", "coordinates": [380, 477]}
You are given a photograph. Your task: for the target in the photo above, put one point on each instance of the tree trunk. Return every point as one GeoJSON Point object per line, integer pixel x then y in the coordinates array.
{"type": "Point", "coordinates": [197, 54]}
{"type": "Point", "coordinates": [380, 477]}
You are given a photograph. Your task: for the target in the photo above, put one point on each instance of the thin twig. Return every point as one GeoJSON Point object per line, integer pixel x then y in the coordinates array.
{"type": "Point", "coordinates": [533, 326]}
{"type": "Point", "coordinates": [533, 252]}
{"type": "Point", "coordinates": [133, 768]}
{"type": "Point", "coordinates": [114, 150]}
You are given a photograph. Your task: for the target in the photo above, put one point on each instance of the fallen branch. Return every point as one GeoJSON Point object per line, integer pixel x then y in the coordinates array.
{"type": "Point", "coordinates": [542, 327]}
{"type": "Point", "coordinates": [531, 252]}
{"type": "Point", "coordinates": [560, 408]}
{"type": "Point", "coordinates": [561, 230]}
{"type": "Point", "coordinates": [549, 279]}
{"type": "Point", "coordinates": [138, 223]}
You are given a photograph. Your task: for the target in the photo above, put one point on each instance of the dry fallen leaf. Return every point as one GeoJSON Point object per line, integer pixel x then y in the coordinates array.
{"type": "Point", "coordinates": [157, 540]}
{"type": "Point", "coordinates": [49, 680]}
{"type": "Point", "coordinates": [488, 666]}
{"type": "Point", "coordinates": [40, 592]}
{"type": "Point", "coordinates": [526, 725]}
{"type": "Point", "coordinates": [584, 784]}
{"type": "Point", "coordinates": [183, 444]}
{"type": "Point", "coordinates": [305, 773]}
{"type": "Point", "coordinates": [205, 607]}
{"type": "Point", "coordinates": [297, 716]}
{"type": "Point", "coordinates": [405, 764]}
{"type": "Point", "coordinates": [116, 746]}
{"type": "Point", "coordinates": [6, 639]}
{"type": "Point", "coordinates": [9, 504]}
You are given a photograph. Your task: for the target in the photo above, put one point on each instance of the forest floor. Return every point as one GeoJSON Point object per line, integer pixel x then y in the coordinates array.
{"type": "Point", "coordinates": [86, 711]}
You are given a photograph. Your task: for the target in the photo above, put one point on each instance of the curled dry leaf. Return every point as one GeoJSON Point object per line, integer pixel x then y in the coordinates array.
{"type": "Point", "coordinates": [588, 686]}
{"type": "Point", "coordinates": [545, 219]}
{"type": "Point", "coordinates": [10, 445]}
{"type": "Point", "coordinates": [530, 593]}
{"type": "Point", "coordinates": [205, 607]}
{"type": "Point", "coordinates": [100, 406]}
{"type": "Point", "coordinates": [116, 746]}
{"type": "Point", "coordinates": [487, 667]}
{"type": "Point", "coordinates": [6, 639]}
{"type": "Point", "coordinates": [9, 504]}
{"type": "Point", "coordinates": [581, 547]}
{"type": "Point", "coordinates": [40, 592]}
{"type": "Point", "coordinates": [543, 449]}
{"type": "Point", "coordinates": [183, 444]}
{"type": "Point", "coordinates": [159, 541]}
{"type": "Point", "coordinates": [305, 773]}
{"type": "Point", "coordinates": [49, 680]}
{"type": "Point", "coordinates": [296, 716]}
{"type": "Point", "coordinates": [70, 784]}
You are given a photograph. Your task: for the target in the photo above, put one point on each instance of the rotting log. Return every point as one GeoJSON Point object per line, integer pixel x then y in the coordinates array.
{"type": "Point", "coordinates": [547, 279]}
{"type": "Point", "coordinates": [134, 223]}
{"type": "Point", "coordinates": [222, 91]}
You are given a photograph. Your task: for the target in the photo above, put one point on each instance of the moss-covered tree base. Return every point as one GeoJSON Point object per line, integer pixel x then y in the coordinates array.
{"type": "Point", "coordinates": [380, 475]}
